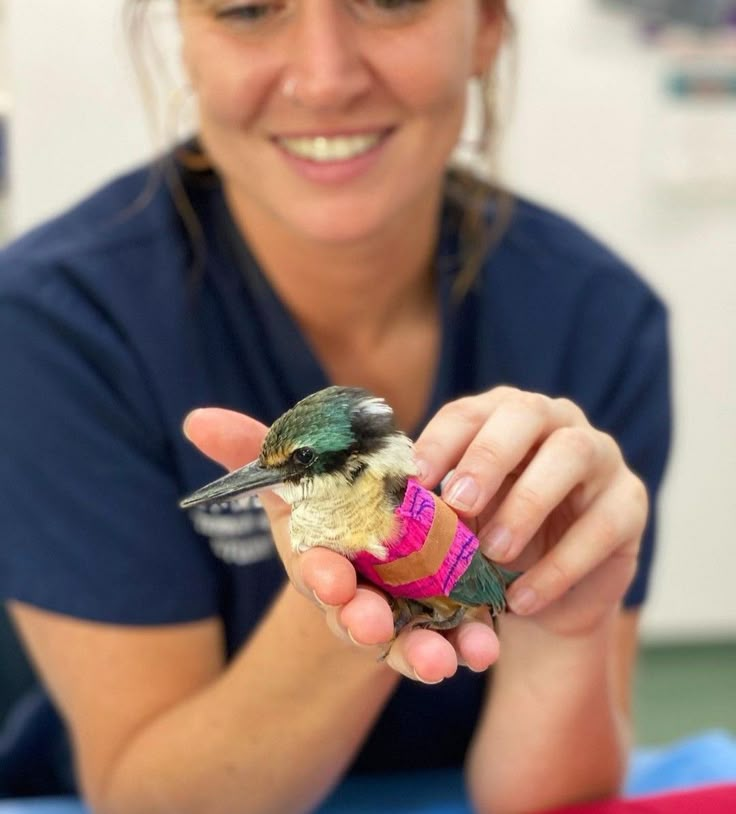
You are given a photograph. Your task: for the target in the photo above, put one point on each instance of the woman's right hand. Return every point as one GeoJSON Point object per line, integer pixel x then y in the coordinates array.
{"type": "Point", "coordinates": [356, 613]}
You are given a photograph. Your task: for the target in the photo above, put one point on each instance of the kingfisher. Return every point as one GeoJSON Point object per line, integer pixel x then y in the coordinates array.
{"type": "Point", "coordinates": [349, 475]}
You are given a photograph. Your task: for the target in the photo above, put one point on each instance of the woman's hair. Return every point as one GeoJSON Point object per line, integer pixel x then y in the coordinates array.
{"type": "Point", "coordinates": [469, 189]}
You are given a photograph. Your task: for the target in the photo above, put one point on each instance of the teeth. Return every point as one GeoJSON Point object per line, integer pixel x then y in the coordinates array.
{"type": "Point", "coordinates": [326, 149]}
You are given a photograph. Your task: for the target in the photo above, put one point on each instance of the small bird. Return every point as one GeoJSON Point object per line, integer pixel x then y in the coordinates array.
{"type": "Point", "coordinates": [348, 473]}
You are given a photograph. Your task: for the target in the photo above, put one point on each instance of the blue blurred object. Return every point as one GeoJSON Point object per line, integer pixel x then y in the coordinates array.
{"type": "Point", "coordinates": [705, 759]}
{"type": "Point", "coordinates": [51, 805]}
{"type": "Point", "coordinates": [703, 13]}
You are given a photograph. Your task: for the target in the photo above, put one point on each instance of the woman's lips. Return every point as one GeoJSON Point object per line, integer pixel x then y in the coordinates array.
{"type": "Point", "coordinates": [333, 158]}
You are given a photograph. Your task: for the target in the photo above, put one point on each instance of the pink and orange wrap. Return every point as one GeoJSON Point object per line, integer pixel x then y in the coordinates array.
{"type": "Point", "coordinates": [432, 551]}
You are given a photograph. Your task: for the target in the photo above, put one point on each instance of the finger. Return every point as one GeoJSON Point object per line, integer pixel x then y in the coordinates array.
{"type": "Point", "coordinates": [476, 644]}
{"type": "Point", "coordinates": [446, 436]}
{"type": "Point", "coordinates": [367, 619]}
{"type": "Point", "coordinates": [569, 456]}
{"type": "Point", "coordinates": [499, 446]}
{"type": "Point", "coordinates": [324, 576]}
{"type": "Point", "coordinates": [232, 439]}
{"type": "Point", "coordinates": [482, 521]}
{"type": "Point", "coordinates": [423, 655]}
{"type": "Point", "coordinates": [614, 519]}
{"type": "Point", "coordinates": [485, 438]}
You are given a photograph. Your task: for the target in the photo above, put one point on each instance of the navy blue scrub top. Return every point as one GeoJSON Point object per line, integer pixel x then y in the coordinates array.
{"type": "Point", "coordinates": [108, 340]}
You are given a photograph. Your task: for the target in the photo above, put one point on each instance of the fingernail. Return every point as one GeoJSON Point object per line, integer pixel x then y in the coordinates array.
{"type": "Point", "coordinates": [353, 639]}
{"type": "Point", "coordinates": [424, 680]}
{"type": "Point", "coordinates": [322, 604]}
{"type": "Point", "coordinates": [497, 542]}
{"type": "Point", "coordinates": [187, 420]}
{"type": "Point", "coordinates": [523, 600]}
{"type": "Point", "coordinates": [422, 469]}
{"type": "Point", "coordinates": [463, 494]}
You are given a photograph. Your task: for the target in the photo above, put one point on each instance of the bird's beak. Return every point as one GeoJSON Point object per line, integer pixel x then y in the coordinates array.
{"type": "Point", "coordinates": [248, 480]}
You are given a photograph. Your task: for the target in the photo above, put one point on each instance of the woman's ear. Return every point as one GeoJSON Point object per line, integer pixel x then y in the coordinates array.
{"type": "Point", "coordinates": [492, 21]}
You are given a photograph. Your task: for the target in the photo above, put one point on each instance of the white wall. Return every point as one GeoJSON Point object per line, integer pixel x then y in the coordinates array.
{"type": "Point", "coordinates": [78, 113]}
{"type": "Point", "coordinates": [587, 130]}
{"type": "Point", "coordinates": [581, 138]}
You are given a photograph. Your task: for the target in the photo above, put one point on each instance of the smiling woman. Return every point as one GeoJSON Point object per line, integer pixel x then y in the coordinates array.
{"type": "Point", "coordinates": [198, 661]}
{"type": "Point", "coordinates": [329, 155]}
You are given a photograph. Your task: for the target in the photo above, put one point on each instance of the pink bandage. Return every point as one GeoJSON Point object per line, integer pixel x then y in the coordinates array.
{"type": "Point", "coordinates": [432, 550]}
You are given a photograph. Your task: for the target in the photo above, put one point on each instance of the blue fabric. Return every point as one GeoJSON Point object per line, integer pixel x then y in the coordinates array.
{"type": "Point", "coordinates": [107, 341]}
{"type": "Point", "coordinates": [49, 806]}
{"type": "Point", "coordinates": [706, 758]}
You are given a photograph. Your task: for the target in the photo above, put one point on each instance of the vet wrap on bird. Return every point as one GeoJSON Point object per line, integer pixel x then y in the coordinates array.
{"type": "Point", "coordinates": [347, 472]}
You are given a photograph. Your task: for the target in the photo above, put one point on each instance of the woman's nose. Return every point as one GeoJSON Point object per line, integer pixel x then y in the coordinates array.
{"type": "Point", "coordinates": [325, 64]}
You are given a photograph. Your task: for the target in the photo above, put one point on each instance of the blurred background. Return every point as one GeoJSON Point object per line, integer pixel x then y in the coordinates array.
{"type": "Point", "coordinates": [621, 114]}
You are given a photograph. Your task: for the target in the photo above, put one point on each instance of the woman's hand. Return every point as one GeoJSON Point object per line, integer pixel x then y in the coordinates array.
{"type": "Point", "coordinates": [359, 614]}
{"type": "Point", "coordinates": [549, 495]}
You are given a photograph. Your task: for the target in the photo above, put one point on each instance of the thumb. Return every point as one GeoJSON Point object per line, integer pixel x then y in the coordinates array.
{"type": "Point", "coordinates": [232, 439]}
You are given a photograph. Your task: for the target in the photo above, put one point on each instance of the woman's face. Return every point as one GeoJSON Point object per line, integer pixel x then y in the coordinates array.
{"type": "Point", "coordinates": [334, 118]}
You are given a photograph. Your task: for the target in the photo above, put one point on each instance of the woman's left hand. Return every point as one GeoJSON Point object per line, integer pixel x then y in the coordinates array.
{"type": "Point", "coordinates": [549, 495]}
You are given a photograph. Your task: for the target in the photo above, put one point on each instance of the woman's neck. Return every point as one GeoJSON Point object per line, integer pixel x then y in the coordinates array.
{"type": "Point", "coordinates": [346, 290]}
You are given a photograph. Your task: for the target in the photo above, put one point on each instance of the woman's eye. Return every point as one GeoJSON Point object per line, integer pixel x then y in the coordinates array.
{"type": "Point", "coordinates": [260, 11]}
{"type": "Point", "coordinates": [389, 5]}
{"type": "Point", "coordinates": [248, 12]}
{"type": "Point", "coordinates": [390, 10]}
{"type": "Point", "coordinates": [397, 5]}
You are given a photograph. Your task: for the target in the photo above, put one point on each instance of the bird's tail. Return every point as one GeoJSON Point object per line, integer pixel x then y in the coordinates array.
{"type": "Point", "coordinates": [508, 576]}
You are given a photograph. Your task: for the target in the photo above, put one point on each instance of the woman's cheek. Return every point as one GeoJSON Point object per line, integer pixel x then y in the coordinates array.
{"type": "Point", "coordinates": [231, 86]}
{"type": "Point", "coordinates": [428, 77]}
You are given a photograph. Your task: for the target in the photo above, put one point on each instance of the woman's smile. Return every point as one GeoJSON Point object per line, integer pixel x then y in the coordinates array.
{"type": "Point", "coordinates": [333, 159]}
{"type": "Point", "coordinates": [324, 148]}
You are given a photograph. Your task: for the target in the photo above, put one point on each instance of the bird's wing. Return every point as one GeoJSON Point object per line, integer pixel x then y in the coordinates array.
{"type": "Point", "coordinates": [482, 584]}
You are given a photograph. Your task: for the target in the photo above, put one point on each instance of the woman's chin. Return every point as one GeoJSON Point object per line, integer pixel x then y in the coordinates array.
{"type": "Point", "coordinates": [338, 228]}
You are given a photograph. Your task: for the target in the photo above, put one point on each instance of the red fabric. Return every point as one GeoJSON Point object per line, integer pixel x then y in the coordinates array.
{"type": "Point", "coordinates": [711, 800]}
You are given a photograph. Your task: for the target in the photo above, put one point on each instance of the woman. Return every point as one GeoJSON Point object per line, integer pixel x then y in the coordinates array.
{"type": "Point", "coordinates": [328, 245]}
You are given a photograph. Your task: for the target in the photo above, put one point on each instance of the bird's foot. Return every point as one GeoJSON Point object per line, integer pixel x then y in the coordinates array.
{"type": "Point", "coordinates": [429, 617]}
{"type": "Point", "coordinates": [437, 621]}
{"type": "Point", "coordinates": [406, 611]}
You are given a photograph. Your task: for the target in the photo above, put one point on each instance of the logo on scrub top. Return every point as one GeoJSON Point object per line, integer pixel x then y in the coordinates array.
{"type": "Point", "coordinates": [238, 531]}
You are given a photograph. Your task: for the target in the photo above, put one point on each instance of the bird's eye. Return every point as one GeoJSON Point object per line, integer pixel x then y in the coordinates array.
{"type": "Point", "coordinates": [305, 456]}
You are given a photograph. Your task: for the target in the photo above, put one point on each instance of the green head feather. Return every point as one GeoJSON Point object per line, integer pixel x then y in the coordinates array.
{"type": "Point", "coordinates": [333, 423]}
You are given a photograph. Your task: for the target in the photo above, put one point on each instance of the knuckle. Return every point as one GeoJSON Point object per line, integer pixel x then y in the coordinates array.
{"type": "Point", "coordinates": [466, 410]}
{"type": "Point", "coordinates": [504, 391]}
{"type": "Point", "coordinates": [578, 441]}
{"type": "Point", "coordinates": [627, 560]}
{"type": "Point", "coordinates": [534, 402]}
{"type": "Point", "coordinates": [528, 502]}
{"type": "Point", "coordinates": [639, 498]}
{"type": "Point", "coordinates": [607, 531]}
{"type": "Point", "coordinates": [429, 446]}
{"type": "Point", "coordinates": [558, 579]}
{"type": "Point", "coordinates": [610, 447]}
{"type": "Point", "coordinates": [481, 455]}
{"type": "Point", "coordinates": [569, 408]}
{"type": "Point", "coordinates": [639, 491]}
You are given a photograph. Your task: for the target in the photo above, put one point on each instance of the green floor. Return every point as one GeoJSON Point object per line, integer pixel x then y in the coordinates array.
{"type": "Point", "coordinates": [685, 688]}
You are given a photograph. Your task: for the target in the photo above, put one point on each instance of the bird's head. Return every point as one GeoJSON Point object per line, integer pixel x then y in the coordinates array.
{"type": "Point", "coordinates": [325, 442]}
